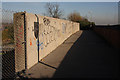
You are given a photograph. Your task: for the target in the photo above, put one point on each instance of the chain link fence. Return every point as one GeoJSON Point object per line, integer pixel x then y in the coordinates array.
{"type": "Point", "coordinates": [10, 39]}
{"type": "Point", "coordinates": [8, 45]}
{"type": "Point", "coordinates": [8, 51]}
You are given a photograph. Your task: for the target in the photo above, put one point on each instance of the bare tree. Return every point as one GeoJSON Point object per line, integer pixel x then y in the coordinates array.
{"type": "Point", "coordinates": [53, 10]}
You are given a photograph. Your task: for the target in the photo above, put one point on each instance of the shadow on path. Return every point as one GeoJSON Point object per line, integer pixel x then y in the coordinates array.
{"type": "Point", "coordinates": [47, 65]}
{"type": "Point", "coordinates": [89, 57]}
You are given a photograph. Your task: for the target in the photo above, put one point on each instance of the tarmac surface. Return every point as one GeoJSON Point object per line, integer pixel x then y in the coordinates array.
{"type": "Point", "coordinates": [82, 55]}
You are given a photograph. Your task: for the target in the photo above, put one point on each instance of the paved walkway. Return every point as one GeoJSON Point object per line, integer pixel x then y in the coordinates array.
{"type": "Point", "coordinates": [80, 56]}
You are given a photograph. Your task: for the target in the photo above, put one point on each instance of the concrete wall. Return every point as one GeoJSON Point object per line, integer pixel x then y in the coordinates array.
{"type": "Point", "coordinates": [111, 35]}
{"type": "Point", "coordinates": [52, 33]}
{"type": "Point", "coordinates": [19, 39]}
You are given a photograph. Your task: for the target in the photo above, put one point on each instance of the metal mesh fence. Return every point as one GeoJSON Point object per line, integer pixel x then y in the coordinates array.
{"type": "Point", "coordinates": [8, 47]}
{"type": "Point", "coordinates": [20, 43]}
{"type": "Point", "coordinates": [8, 55]}
{"type": "Point", "coordinates": [7, 28]}
{"type": "Point", "coordinates": [12, 37]}
{"type": "Point", "coordinates": [14, 55]}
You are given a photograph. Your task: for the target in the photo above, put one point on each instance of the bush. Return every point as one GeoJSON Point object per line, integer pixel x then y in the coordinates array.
{"type": "Point", "coordinates": [8, 34]}
{"type": "Point", "coordinates": [84, 23]}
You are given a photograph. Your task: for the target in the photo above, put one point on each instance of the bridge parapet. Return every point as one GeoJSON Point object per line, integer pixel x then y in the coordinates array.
{"type": "Point", "coordinates": [112, 34]}
{"type": "Point", "coordinates": [36, 36]}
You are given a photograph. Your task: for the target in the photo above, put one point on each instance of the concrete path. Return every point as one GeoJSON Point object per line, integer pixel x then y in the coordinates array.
{"type": "Point", "coordinates": [83, 55]}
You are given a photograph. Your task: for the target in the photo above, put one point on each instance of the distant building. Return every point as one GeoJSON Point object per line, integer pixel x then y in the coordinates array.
{"type": "Point", "coordinates": [119, 12]}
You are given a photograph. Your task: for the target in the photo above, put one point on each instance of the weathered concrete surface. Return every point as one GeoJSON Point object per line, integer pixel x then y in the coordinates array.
{"type": "Point", "coordinates": [89, 57]}
{"type": "Point", "coordinates": [38, 36]}
{"type": "Point", "coordinates": [52, 33]}
{"type": "Point", "coordinates": [19, 39]}
{"type": "Point", "coordinates": [49, 64]}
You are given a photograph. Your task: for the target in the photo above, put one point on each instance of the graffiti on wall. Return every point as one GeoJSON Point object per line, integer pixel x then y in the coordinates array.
{"type": "Point", "coordinates": [40, 44]}
{"type": "Point", "coordinates": [30, 42]}
{"type": "Point", "coordinates": [19, 36]}
{"type": "Point", "coordinates": [48, 32]}
{"type": "Point", "coordinates": [46, 21]}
